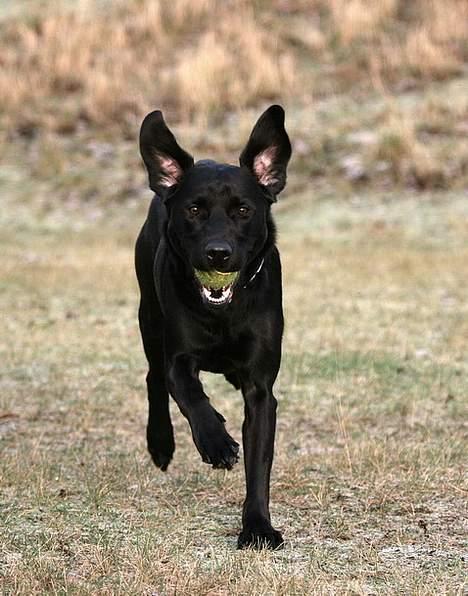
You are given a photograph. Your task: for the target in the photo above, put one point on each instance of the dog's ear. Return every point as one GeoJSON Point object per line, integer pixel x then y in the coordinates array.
{"type": "Point", "coordinates": [165, 160]}
{"type": "Point", "coordinates": [268, 151]}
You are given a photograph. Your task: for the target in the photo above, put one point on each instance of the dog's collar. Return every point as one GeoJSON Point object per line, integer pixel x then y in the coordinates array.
{"type": "Point", "coordinates": [259, 268]}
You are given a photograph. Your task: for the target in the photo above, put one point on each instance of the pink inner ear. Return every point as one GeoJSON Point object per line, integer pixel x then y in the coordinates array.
{"type": "Point", "coordinates": [171, 172]}
{"type": "Point", "coordinates": [263, 166]}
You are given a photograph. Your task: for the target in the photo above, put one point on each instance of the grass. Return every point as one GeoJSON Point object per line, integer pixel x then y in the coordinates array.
{"type": "Point", "coordinates": [202, 57]}
{"type": "Point", "coordinates": [91, 70]}
{"type": "Point", "coordinates": [368, 483]}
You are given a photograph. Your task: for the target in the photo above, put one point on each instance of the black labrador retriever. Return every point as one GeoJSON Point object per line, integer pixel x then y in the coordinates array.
{"type": "Point", "coordinates": [210, 280]}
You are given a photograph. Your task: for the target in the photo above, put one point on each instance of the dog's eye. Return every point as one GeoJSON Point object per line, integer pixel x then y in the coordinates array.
{"type": "Point", "coordinates": [194, 210]}
{"type": "Point", "coordinates": [243, 210]}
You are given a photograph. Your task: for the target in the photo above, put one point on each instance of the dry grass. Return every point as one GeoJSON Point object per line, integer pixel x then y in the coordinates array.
{"type": "Point", "coordinates": [406, 158]}
{"type": "Point", "coordinates": [368, 477]}
{"type": "Point", "coordinates": [105, 65]}
{"type": "Point", "coordinates": [425, 58]}
{"type": "Point", "coordinates": [75, 81]}
{"type": "Point", "coordinates": [360, 18]}
{"type": "Point", "coordinates": [231, 67]}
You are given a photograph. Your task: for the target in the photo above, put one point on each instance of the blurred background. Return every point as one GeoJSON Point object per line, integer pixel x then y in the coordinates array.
{"type": "Point", "coordinates": [368, 480]}
{"type": "Point", "coordinates": [375, 92]}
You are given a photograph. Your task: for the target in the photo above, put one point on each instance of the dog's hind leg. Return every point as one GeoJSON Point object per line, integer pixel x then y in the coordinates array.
{"type": "Point", "coordinates": [159, 432]}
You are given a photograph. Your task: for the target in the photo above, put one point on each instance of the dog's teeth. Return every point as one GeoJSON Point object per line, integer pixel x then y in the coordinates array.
{"type": "Point", "coordinates": [226, 294]}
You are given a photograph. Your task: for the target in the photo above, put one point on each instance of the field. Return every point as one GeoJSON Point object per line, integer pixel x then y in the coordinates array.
{"type": "Point", "coordinates": [371, 450]}
{"type": "Point", "coordinates": [369, 478]}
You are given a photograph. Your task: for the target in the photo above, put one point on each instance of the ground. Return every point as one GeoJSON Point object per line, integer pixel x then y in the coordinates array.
{"type": "Point", "coordinates": [367, 483]}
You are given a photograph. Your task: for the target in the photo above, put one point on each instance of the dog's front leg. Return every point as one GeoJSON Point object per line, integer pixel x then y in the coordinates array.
{"type": "Point", "coordinates": [258, 433]}
{"type": "Point", "coordinates": [213, 442]}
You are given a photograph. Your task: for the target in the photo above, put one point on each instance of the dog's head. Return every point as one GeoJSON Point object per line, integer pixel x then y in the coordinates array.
{"type": "Point", "coordinates": [219, 219]}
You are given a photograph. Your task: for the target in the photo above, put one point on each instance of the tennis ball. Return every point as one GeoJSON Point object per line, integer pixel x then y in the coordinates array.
{"type": "Point", "coordinates": [216, 279]}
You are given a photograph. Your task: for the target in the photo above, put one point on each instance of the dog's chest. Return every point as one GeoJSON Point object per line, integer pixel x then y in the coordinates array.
{"type": "Point", "coordinates": [224, 350]}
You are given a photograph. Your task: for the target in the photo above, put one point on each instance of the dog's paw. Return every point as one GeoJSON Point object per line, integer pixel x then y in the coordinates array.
{"type": "Point", "coordinates": [214, 443]}
{"type": "Point", "coordinates": [227, 457]}
{"type": "Point", "coordinates": [161, 449]}
{"type": "Point", "coordinates": [259, 539]}
{"type": "Point", "coordinates": [217, 447]}
{"type": "Point", "coordinates": [221, 451]}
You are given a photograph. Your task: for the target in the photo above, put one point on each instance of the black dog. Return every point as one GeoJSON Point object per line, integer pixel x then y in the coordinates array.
{"type": "Point", "coordinates": [211, 222]}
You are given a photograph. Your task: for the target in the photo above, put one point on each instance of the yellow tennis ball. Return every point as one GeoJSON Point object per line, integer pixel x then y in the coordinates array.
{"type": "Point", "coordinates": [216, 279]}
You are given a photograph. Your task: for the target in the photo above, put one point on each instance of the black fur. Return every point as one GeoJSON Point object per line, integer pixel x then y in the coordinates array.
{"type": "Point", "coordinates": [209, 216]}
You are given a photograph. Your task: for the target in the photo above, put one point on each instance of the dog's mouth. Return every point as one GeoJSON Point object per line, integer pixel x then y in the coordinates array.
{"type": "Point", "coordinates": [216, 287]}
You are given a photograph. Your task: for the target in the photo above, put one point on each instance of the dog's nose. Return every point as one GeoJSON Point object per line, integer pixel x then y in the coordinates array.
{"type": "Point", "coordinates": [218, 252]}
